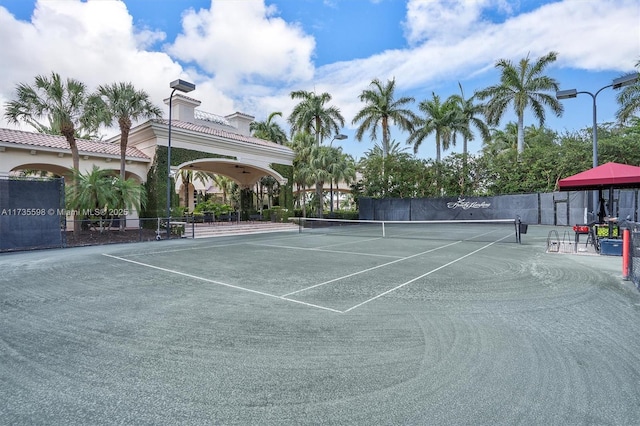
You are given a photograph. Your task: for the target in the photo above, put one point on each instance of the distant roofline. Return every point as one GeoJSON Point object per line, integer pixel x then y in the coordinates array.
{"type": "Point", "coordinates": [12, 137]}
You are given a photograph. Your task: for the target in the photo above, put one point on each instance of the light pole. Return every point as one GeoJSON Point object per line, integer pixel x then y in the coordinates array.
{"type": "Point", "coordinates": [572, 93]}
{"type": "Point", "coordinates": [339, 137]}
{"type": "Point", "coordinates": [183, 86]}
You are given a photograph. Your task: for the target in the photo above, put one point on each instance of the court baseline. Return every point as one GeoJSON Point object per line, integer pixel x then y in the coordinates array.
{"type": "Point", "coordinates": [195, 277]}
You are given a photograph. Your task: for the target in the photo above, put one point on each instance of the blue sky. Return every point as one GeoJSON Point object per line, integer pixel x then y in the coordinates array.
{"type": "Point", "coordinates": [248, 55]}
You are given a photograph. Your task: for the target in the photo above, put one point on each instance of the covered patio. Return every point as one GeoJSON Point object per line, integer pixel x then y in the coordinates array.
{"type": "Point", "coordinates": [609, 176]}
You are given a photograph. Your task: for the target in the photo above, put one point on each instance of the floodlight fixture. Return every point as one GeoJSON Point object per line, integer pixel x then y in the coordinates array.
{"type": "Point", "coordinates": [625, 80]}
{"type": "Point", "coordinates": [339, 137]}
{"type": "Point", "coordinates": [183, 86]}
{"type": "Point", "coordinates": [566, 94]}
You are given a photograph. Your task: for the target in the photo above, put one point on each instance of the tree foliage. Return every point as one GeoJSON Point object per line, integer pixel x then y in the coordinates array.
{"type": "Point", "coordinates": [522, 86]}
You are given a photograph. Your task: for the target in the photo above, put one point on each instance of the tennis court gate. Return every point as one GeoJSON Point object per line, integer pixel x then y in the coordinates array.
{"type": "Point", "coordinates": [556, 208]}
{"type": "Point", "coordinates": [31, 213]}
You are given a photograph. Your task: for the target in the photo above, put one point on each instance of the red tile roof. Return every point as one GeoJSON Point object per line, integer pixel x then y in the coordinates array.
{"type": "Point", "coordinates": [59, 142]}
{"type": "Point", "coordinates": [185, 125]}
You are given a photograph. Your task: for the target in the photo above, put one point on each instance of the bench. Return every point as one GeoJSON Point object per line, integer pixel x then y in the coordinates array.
{"type": "Point", "coordinates": [228, 217]}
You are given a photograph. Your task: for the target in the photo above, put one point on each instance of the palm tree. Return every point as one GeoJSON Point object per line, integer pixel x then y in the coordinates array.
{"type": "Point", "coordinates": [129, 195]}
{"type": "Point", "coordinates": [302, 145]}
{"type": "Point", "coordinates": [629, 100]}
{"type": "Point", "coordinates": [522, 86]}
{"type": "Point", "coordinates": [271, 185]}
{"type": "Point", "coordinates": [320, 160]}
{"type": "Point", "coordinates": [187, 176]}
{"type": "Point", "coordinates": [92, 193]}
{"type": "Point", "coordinates": [381, 110]}
{"type": "Point", "coordinates": [341, 169]}
{"type": "Point", "coordinates": [269, 130]}
{"type": "Point", "coordinates": [312, 116]}
{"type": "Point", "coordinates": [377, 151]}
{"type": "Point", "coordinates": [60, 102]}
{"type": "Point", "coordinates": [470, 112]}
{"type": "Point", "coordinates": [501, 141]}
{"type": "Point", "coordinates": [444, 119]}
{"type": "Point", "coordinates": [225, 184]}
{"type": "Point", "coordinates": [122, 103]}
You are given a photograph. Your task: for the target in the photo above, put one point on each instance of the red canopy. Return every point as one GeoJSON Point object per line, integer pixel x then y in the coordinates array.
{"type": "Point", "coordinates": [610, 175]}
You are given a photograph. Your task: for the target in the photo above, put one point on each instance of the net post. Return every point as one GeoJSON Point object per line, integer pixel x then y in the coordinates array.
{"type": "Point", "coordinates": [517, 224]}
{"type": "Point", "coordinates": [383, 231]}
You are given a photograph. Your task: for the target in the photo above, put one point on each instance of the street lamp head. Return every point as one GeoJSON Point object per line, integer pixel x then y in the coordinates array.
{"type": "Point", "coordinates": [566, 94]}
{"type": "Point", "coordinates": [340, 137]}
{"type": "Point", "coordinates": [625, 80]}
{"type": "Point", "coordinates": [183, 86]}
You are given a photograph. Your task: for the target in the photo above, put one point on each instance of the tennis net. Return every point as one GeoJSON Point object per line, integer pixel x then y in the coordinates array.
{"type": "Point", "coordinates": [497, 230]}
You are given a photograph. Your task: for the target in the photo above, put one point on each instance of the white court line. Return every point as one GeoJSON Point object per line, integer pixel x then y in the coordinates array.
{"type": "Point", "coordinates": [195, 277]}
{"type": "Point", "coordinates": [352, 242]}
{"type": "Point", "coordinates": [197, 247]}
{"type": "Point", "coordinates": [324, 250]}
{"type": "Point", "coordinates": [424, 275]}
{"type": "Point", "coordinates": [370, 269]}
{"type": "Point", "coordinates": [183, 249]}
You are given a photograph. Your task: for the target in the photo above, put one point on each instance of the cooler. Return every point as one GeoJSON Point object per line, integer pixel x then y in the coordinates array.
{"type": "Point", "coordinates": [611, 247]}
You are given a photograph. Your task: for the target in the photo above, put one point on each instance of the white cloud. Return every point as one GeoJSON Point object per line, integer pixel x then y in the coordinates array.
{"type": "Point", "coordinates": [244, 42]}
{"type": "Point", "coordinates": [581, 31]}
{"type": "Point", "coordinates": [256, 58]}
{"type": "Point", "coordinates": [446, 19]}
{"type": "Point", "coordinates": [94, 42]}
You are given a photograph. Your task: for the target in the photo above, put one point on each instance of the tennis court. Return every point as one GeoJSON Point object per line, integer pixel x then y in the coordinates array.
{"type": "Point", "coordinates": [319, 328]}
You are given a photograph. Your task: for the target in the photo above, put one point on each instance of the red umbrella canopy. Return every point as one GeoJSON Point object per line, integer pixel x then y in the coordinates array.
{"type": "Point", "coordinates": [609, 175]}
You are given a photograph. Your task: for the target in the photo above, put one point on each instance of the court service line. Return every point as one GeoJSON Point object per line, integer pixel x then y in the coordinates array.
{"type": "Point", "coordinates": [195, 277]}
{"type": "Point", "coordinates": [370, 269]}
{"type": "Point", "coordinates": [351, 242]}
{"type": "Point", "coordinates": [324, 250]}
{"type": "Point", "coordinates": [424, 275]}
{"type": "Point", "coordinates": [222, 245]}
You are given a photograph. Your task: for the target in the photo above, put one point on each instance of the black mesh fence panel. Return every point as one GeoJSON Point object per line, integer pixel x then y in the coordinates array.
{"type": "Point", "coordinates": [627, 204]}
{"type": "Point", "coordinates": [634, 251]}
{"type": "Point", "coordinates": [365, 208]}
{"type": "Point", "coordinates": [31, 213]}
{"type": "Point", "coordinates": [547, 211]}
{"type": "Point", "coordinates": [392, 209]}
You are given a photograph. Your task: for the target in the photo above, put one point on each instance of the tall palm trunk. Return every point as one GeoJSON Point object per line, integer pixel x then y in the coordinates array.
{"type": "Point", "coordinates": [319, 184]}
{"type": "Point", "coordinates": [69, 134]}
{"type": "Point", "coordinates": [125, 127]}
{"type": "Point", "coordinates": [520, 133]}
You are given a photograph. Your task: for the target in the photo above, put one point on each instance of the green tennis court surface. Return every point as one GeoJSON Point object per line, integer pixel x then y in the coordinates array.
{"type": "Point", "coordinates": [318, 329]}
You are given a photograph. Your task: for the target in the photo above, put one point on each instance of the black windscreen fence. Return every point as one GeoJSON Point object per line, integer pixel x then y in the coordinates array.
{"type": "Point", "coordinates": [634, 251]}
{"type": "Point", "coordinates": [557, 208]}
{"type": "Point", "coordinates": [31, 213]}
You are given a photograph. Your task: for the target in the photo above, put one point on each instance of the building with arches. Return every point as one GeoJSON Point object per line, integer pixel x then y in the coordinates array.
{"type": "Point", "coordinates": [200, 141]}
